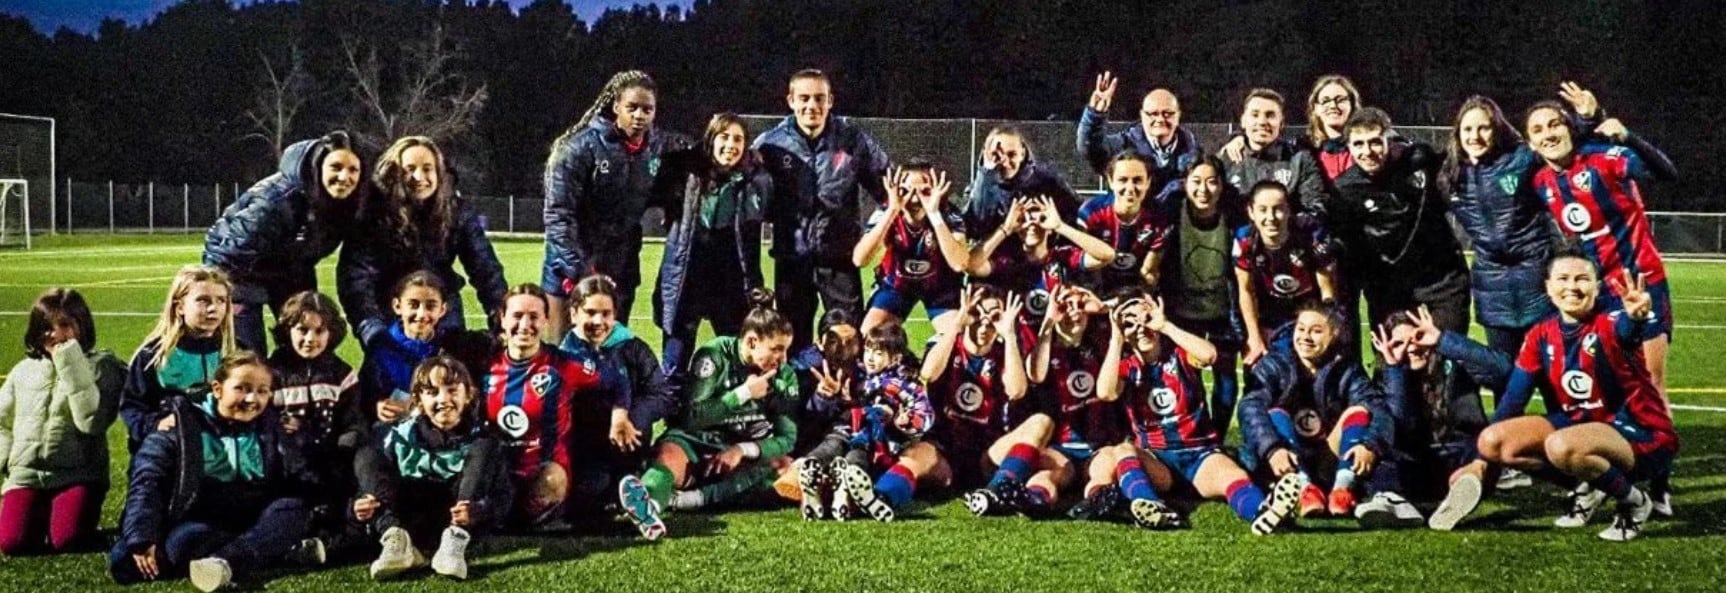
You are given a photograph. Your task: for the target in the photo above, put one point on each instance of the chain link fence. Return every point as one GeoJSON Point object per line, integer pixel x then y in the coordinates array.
{"type": "Point", "coordinates": [951, 144]}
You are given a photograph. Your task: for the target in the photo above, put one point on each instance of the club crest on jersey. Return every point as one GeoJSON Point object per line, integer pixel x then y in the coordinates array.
{"type": "Point", "coordinates": [1418, 179]}
{"type": "Point", "coordinates": [1283, 176]}
{"type": "Point", "coordinates": [539, 382]}
{"type": "Point", "coordinates": [1163, 401]}
{"type": "Point", "coordinates": [1307, 423]}
{"type": "Point", "coordinates": [1577, 384]}
{"type": "Point", "coordinates": [969, 397]}
{"type": "Point", "coordinates": [706, 369]}
{"type": "Point", "coordinates": [1081, 384]}
{"type": "Point", "coordinates": [1284, 285]}
{"type": "Point", "coordinates": [1038, 301]}
{"type": "Point", "coordinates": [513, 421]}
{"type": "Point", "coordinates": [1508, 183]}
{"type": "Point", "coordinates": [1576, 218]}
{"type": "Point", "coordinates": [1589, 342]}
{"type": "Point", "coordinates": [1580, 179]}
{"type": "Point", "coordinates": [605, 167]}
{"type": "Point", "coordinates": [1125, 261]}
{"type": "Point", "coordinates": [917, 268]}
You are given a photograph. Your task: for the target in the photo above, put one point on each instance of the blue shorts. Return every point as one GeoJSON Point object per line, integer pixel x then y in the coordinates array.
{"type": "Point", "coordinates": [1078, 453]}
{"type": "Point", "coordinates": [900, 303]}
{"type": "Point", "coordinates": [1653, 457]}
{"type": "Point", "coordinates": [1185, 462]}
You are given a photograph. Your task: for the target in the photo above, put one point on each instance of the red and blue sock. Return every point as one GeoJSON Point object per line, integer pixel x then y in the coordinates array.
{"type": "Point", "coordinates": [1016, 468]}
{"type": "Point", "coordinates": [1039, 496]}
{"type": "Point", "coordinates": [1613, 483]}
{"type": "Point", "coordinates": [1245, 498]}
{"type": "Point", "coordinates": [1356, 426]}
{"type": "Point", "coordinates": [1134, 483]}
{"type": "Point", "coordinates": [897, 485]}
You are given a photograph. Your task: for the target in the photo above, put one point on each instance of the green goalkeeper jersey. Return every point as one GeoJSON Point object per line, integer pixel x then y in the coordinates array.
{"type": "Point", "coordinates": [718, 404]}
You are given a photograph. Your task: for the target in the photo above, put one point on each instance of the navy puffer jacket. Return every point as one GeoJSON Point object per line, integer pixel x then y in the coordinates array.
{"type": "Point", "coordinates": [1513, 236]}
{"type": "Point", "coordinates": [596, 191]}
{"type": "Point", "coordinates": [273, 232]}
{"type": "Point", "coordinates": [1277, 382]}
{"type": "Point", "coordinates": [371, 265]}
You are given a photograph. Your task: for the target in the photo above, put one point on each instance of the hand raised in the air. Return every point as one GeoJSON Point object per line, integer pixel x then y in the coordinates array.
{"type": "Point", "coordinates": [1633, 293]}
{"type": "Point", "coordinates": [1580, 99]}
{"type": "Point", "coordinates": [1103, 95]}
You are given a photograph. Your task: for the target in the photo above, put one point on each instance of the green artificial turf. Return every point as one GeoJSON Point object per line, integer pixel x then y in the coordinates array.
{"type": "Point", "coordinates": [1508, 545]}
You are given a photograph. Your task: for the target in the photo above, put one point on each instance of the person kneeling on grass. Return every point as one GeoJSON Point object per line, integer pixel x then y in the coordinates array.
{"type": "Point", "coordinates": [879, 433]}
{"type": "Point", "coordinates": [1609, 427]}
{"type": "Point", "coordinates": [1171, 425]}
{"type": "Point", "coordinates": [1314, 412]}
{"type": "Point", "coordinates": [738, 425]}
{"type": "Point", "coordinates": [212, 495]}
{"type": "Point", "coordinates": [439, 470]}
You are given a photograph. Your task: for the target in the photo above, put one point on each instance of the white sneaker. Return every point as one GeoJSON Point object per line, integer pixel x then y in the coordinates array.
{"type": "Point", "coordinates": [1662, 504]}
{"type": "Point", "coordinates": [1628, 521]}
{"type": "Point", "coordinates": [210, 574]}
{"type": "Point", "coordinates": [842, 509]}
{"type": "Point", "coordinates": [1387, 509]}
{"type": "Point", "coordinates": [1583, 501]}
{"type": "Point", "coordinates": [1463, 498]}
{"type": "Point", "coordinates": [1285, 496]}
{"type": "Point", "coordinates": [398, 556]}
{"type": "Point", "coordinates": [1511, 479]}
{"type": "Point", "coordinates": [450, 560]}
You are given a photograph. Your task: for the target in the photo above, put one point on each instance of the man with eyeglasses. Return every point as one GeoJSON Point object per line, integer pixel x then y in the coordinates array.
{"type": "Point", "coordinates": [1159, 138]}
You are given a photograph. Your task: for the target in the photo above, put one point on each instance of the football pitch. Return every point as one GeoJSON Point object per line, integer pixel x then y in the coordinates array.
{"type": "Point", "coordinates": [1508, 545]}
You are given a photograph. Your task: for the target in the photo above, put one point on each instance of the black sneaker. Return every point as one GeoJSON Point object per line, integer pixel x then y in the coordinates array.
{"type": "Point", "coordinates": [1099, 506]}
{"type": "Point", "coordinates": [1004, 498]}
{"type": "Point", "coordinates": [1156, 515]}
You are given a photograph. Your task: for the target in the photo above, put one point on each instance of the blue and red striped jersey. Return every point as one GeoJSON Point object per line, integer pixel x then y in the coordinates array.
{"type": "Point", "coordinates": [1596, 200]}
{"type": "Point", "coordinates": [969, 396]}
{"type": "Point", "coordinates": [1133, 240]}
{"type": "Point", "coordinates": [531, 403]}
{"type": "Point", "coordinates": [1070, 392]}
{"type": "Point", "coordinates": [1595, 369]}
{"type": "Point", "coordinates": [912, 262]}
{"type": "Point", "coordinates": [1286, 278]}
{"type": "Point", "coordinates": [1165, 402]}
{"type": "Point", "coordinates": [1016, 271]}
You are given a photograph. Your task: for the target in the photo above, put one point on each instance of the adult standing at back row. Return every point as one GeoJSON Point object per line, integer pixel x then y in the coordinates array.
{"type": "Point", "coordinates": [819, 163]}
{"type": "Point", "coordinates": [1159, 138]}
{"type": "Point", "coordinates": [601, 176]}
{"type": "Point", "coordinates": [271, 239]}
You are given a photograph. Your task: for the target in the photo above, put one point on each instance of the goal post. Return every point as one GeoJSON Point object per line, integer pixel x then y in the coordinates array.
{"type": "Point", "coordinates": [14, 213]}
{"type": "Point", "coordinates": [28, 153]}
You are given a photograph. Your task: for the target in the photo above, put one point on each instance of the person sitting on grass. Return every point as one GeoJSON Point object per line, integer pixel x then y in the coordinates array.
{"type": "Point", "coordinates": [417, 334]}
{"type": "Point", "coordinates": [319, 409]}
{"type": "Point", "coordinates": [439, 475]}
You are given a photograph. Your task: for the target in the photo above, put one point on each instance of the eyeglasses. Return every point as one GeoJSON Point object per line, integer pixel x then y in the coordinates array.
{"type": "Point", "coordinates": [1166, 114]}
{"type": "Point", "coordinates": [1336, 101]}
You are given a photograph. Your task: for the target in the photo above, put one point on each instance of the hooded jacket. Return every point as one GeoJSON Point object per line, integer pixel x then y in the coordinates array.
{"type": "Point", "coordinates": [273, 232]}
{"type": "Point", "coordinates": [817, 184]}
{"type": "Point", "coordinates": [1277, 381]}
{"type": "Point", "coordinates": [54, 417]}
{"type": "Point", "coordinates": [748, 187]}
{"type": "Point", "coordinates": [371, 264]}
{"type": "Point", "coordinates": [651, 397]}
{"type": "Point", "coordinates": [596, 191]}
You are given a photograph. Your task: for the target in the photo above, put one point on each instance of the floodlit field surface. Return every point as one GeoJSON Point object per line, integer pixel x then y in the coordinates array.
{"type": "Point", "coordinates": [1509, 545]}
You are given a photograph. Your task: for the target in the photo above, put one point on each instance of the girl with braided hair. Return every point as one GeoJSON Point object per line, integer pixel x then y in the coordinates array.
{"type": "Point", "coordinates": [601, 176]}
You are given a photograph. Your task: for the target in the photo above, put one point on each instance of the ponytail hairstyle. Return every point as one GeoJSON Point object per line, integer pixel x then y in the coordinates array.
{"type": "Point", "coordinates": [307, 303]}
{"type": "Point", "coordinates": [55, 307]}
{"type": "Point", "coordinates": [408, 222]}
{"type": "Point", "coordinates": [1504, 138]}
{"type": "Point", "coordinates": [1314, 127]}
{"type": "Point", "coordinates": [170, 328]}
{"type": "Point", "coordinates": [619, 82]}
{"type": "Point", "coordinates": [763, 319]}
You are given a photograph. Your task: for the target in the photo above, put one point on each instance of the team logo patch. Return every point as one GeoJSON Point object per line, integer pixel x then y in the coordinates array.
{"type": "Point", "coordinates": [1579, 180]}
{"type": "Point", "coordinates": [706, 369]}
{"type": "Point", "coordinates": [1163, 401]}
{"type": "Point", "coordinates": [1418, 179]}
{"type": "Point", "coordinates": [1577, 384]}
{"type": "Point", "coordinates": [1307, 423]}
{"type": "Point", "coordinates": [785, 161]}
{"type": "Point", "coordinates": [969, 397]}
{"type": "Point", "coordinates": [1283, 176]}
{"type": "Point", "coordinates": [1284, 285]}
{"type": "Point", "coordinates": [1589, 341]}
{"type": "Point", "coordinates": [539, 382]}
{"type": "Point", "coordinates": [917, 268]}
{"type": "Point", "coordinates": [1508, 183]}
{"type": "Point", "coordinates": [1038, 301]}
{"type": "Point", "coordinates": [653, 167]}
{"type": "Point", "coordinates": [1125, 261]}
{"type": "Point", "coordinates": [605, 167]}
{"type": "Point", "coordinates": [1081, 384]}
{"type": "Point", "coordinates": [1576, 218]}
{"type": "Point", "coordinates": [513, 421]}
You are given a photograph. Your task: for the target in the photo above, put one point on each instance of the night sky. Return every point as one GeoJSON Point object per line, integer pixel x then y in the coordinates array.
{"type": "Point", "coordinates": [85, 15]}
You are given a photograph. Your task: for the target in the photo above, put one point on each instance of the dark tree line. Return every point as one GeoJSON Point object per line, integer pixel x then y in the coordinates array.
{"type": "Point", "coordinates": [185, 97]}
